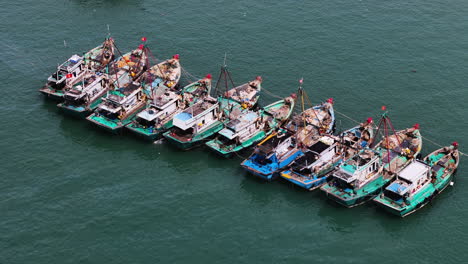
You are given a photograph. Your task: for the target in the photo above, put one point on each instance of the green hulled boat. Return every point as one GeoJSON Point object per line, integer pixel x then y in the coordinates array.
{"type": "Point", "coordinates": [199, 122]}
{"type": "Point", "coordinates": [84, 97]}
{"type": "Point", "coordinates": [419, 182]}
{"type": "Point", "coordinates": [98, 58]}
{"type": "Point", "coordinates": [246, 94]}
{"type": "Point", "coordinates": [251, 127]}
{"type": "Point", "coordinates": [165, 104]}
{"type": "Point", "coordinates": [128, 98]}
{"type": "Point", "coordinates": [67, 74]}
{"type": "Point", "coordinates": [72, 71]}
{"type": "Point", "coordinates": [363, 176]}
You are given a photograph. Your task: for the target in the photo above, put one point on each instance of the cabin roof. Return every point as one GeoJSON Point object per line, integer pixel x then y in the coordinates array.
{"type": "Point", "coordinates": [414, 171]}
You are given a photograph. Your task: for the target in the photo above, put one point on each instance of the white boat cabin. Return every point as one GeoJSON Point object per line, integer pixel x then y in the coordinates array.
{"type": "Point", "coordinates": [68, 73]}
{"type": "Point", "coordinates": [242, 128]}
{"type": "Point", "coordinates": [199, 116]}
{"type": "Point", "coordinates": [91, 87]}
{"type": "Point", "coordinates": [123, 100]}
{"type": "Point", "coordinates": [412, 178]}
{"type": "Point", "coordinates": [164, 104]}
{"type": "Point", "coordinates": [359, 170]}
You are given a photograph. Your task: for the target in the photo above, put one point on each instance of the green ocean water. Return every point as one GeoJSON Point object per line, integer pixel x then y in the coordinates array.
{"type": "Point", "coordinates": [70, 193]}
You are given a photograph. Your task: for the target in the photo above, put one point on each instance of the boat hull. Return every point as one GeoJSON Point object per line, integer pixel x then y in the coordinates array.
{"type": "Point", "coordinates": [52, 94]}
{"type": "Point", "coordinates": [75, 111]}
{"type": "Point", "coordinates": [350, 199]}
{"type": "Point", "coordinates": [196, 140]}
{"type": "Point", "coordinates": [270, 171]}
{"type": "Point", "coordinates": [150, 134]}
{"type": "Point", "coordinates": [307, 183]}
{"type": "Point", "coordinates": [419, 202]}
{"type": "Point", "coordinates": [228, 153]}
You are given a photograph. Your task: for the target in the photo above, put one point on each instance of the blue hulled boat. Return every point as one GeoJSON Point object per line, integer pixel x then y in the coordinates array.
{"type": "Point", "coordinates": [272, 154]}
{"type": "Point", "coordinates": [311, 170]}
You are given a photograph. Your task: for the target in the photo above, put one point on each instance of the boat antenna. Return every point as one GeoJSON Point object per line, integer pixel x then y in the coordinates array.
{"type": "Point", "coordinates": [65, 44]}
{"type": "Point", "coordinates": [108, 31]}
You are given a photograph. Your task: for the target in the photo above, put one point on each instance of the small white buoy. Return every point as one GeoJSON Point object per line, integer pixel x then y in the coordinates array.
{"type": "Point", "coordinates": [452, 183]}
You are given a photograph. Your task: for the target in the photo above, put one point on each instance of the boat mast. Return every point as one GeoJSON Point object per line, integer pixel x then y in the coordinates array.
{"type": "Point", "coordinates": [304, 95]}
{"type": "Point", "coordinates": [224, 74]}
{"type": "Point", "coordinates": [387, 124]}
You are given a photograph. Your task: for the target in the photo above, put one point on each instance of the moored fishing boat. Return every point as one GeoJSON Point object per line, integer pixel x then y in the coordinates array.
{"type": "Point", "coordinates": [315, 121]}
{"type": "Point", "coordinates": [246, 94]}
{"type": "Point", "coordinates": [98, 58]}
{"type": "Point", "coordinates": [86, 95]}
{"type": "Point", "coordinates": [72, 71]}
{"type": "Point", "coordinates": [157, 117]}
{"type": "Point", "coordinates": [361, 178]}
{"type": "Point", "coordinates": [312, 169]}
{"type": "Point", "coordinates": [120, 105]}
{"type": "Point", "coordinates": [197, 123]}
{"type": "Point", "coordinates": [303, 130]}
{"type": "Point", "coordinates": [251, 127]}
{"type": "Point", "coordinates": [419, 182]}
{"type": "Point", "coordinates": [272, 154]}
{"type": "Point", "coordinates": [67, 74]}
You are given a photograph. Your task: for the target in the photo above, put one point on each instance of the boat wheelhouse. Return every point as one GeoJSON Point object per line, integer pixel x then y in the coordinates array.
{"type": "Point", "coordinates": [251, 127]}
{"type": "Point", "coordinates": [67, 74]}
{"type": "Point", "coordinates": [118, 107]}
{"type": "Point", "coordinates": [157, 117]}
{"type": "Point", "coordinates": [358, 179]}
{"type": "Point", "coordinates": [272, 154]}
{"type": "Point", "coordinates": [419, 182]}
{"type": "Point", "coordinates": [85, 95]}
{"type": "Point", "coordinates": [310, 169]}
{"type": "Point", "coordinates": [195, 124]}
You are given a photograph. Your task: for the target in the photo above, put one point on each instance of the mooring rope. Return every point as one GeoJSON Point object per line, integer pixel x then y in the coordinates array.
{"type": "Point", "coordinates": [271, 94]}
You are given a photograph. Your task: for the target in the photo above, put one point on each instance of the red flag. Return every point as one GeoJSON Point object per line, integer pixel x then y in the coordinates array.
{"type": "Point", "coordinates": [208, 76]}
{"type": "Point", "coordinates": [69, 75]}
{"type": "Point", "coordinates": [143, 39]}
{"type": "Point", "coordinates": [176, 56]}
{"type": "Point", "coordinates": [141, 46]}
{"type": "Point", "coordinates": [384, 108]}
{"type": "Point", "coordinates": [301, 80]}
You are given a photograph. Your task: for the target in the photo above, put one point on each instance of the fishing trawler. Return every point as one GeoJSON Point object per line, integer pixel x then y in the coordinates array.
{"type": "Point", "coordinates": [419, 182]}
{"type": "Point", "coordinates": [246, 94]}
{"type": "Point", "coordinates": [272, 154]}
{"type": "Point", "coordinates": [120, 105]}
{"type": "Point", "coordinates": [312, 169]}
{"type": "Point", "coordinates": [165, 104]}
{"type": "Point", "coordinates": [98, 58]}
{"type": "Point", "coordinates": [362, 177]}
{"type": "Point", "coordinates": [251, 126]}
{"type": "Point", "coordinates": [86, 95]}
{"type": "Point", "coordinates": [72, 71]}
{"type": "Point", "coordinates": [67, 74]}
{"type": "Point", "coordinates": [197, 123]}
{"type": "Point", "coordinates": [314, 122]}
{"type": "Point", "coordinates": [129, 67]}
